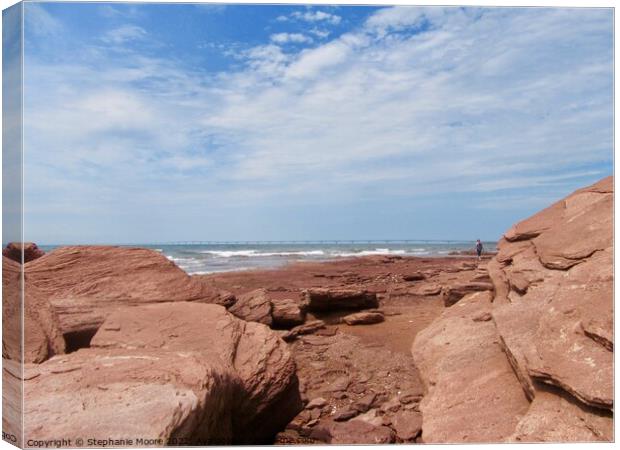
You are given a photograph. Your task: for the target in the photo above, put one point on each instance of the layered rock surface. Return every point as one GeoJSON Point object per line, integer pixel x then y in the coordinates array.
{"type": "Point", "coordinates": [41, 333]}
{"type": "Point", "coordinates": [552, 315]}
{"type": "Point", "coordinates": [184, 371]}
{"type": "Point", "coordinates": [472, 395]}
{"type": "Point", "coordinates": [84, 284]}
{"type": "Point", "coordinates": [259, 306]}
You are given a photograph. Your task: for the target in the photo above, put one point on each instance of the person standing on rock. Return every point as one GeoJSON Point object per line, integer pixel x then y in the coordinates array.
{"type": "Point", "coordinates": [479, 248]}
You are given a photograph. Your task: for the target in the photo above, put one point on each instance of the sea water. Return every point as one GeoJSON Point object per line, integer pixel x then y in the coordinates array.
{"type": "Point", "coordinates": [210, 258]}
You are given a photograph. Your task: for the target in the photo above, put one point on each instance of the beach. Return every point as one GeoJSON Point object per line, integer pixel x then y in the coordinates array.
{"type": "Point", "coordinates": [369, 345]}
{"type": "Point", "coordinates": [200, 259]}
{"type": "Point", "coordinates": [373, 360]}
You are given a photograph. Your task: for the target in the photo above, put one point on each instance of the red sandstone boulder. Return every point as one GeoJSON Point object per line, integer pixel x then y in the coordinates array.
{"type": "Point", "coordinates": [287, 313]}
{"type": "Point", "coordinates": [85, 283]}
{"type": "Point", "coordinates": [473, 395]}
{"type": "Point", "coordinates": [254, 306]}
{"type": "Point", "coordinates": [158, 395]}
{"type": "Point", "coordinates": [258, 358]}
{"type": "Point", "coordinates": [41, 334]}
{"type": "Point", "coordinates": [333, 299]}
{"type": "Point", "coordinates": [14, 251]}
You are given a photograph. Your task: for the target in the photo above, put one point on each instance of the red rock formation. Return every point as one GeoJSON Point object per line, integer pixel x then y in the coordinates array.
{"type": "Point", "coordinates": [552, 314]}
{"type": "Point", "coordinates": [254, 306]}
{"type": "Point", "coordinates": [472, 395]}
{"type": "Point", "coordinates": [339, 299]}
{"type": "Point", "coordinates": [42, 336]}
{"type": "Point", "coordinates": [120, 393]}
{"type": "Point", "coordinates": [14, 251]}
{"type": "Point", "coordinates": [554, 308]}
{"type": "Point", "coordinates": [452, 294]}
{"type": "Point", "coordinates": [184, 371]}
{"type": "Point", "coordinates": [86, 283]}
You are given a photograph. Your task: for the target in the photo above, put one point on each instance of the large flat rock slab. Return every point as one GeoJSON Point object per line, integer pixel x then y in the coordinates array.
{"type": "Point", "coordinates": [117, 394]}
{"type": "Point", "coordinates": [569, 356]}
{"type": "Point", "coordinates": [553, 306]}
{"type": "Point", "coordinates": [473, 395]}
{"type": "Point", "coordinates": [261, 360]}
{"type": "Point", "coordinates": [85, 283]}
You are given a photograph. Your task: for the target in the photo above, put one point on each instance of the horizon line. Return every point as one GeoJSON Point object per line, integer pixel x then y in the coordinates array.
{"type": "Point", "coordinates": [280, 241]}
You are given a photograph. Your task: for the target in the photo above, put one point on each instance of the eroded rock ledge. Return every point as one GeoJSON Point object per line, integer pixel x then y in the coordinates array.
{"type": "Point", "coordinates": [120, 342]}
{"type": "Point", "coordinates": [552, 324]}
{"type": "Point", "coordinates": [181, 372]}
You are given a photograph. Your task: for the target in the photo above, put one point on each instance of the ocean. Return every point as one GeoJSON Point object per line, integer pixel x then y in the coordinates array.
{"type": "Point", "coordinates": [210, 258]}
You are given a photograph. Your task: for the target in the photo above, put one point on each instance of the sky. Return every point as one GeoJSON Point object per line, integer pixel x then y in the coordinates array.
{"type": "Point", "coordinates": [166, 122]}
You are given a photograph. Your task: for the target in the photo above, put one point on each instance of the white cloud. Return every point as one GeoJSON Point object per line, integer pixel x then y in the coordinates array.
{"type": "Point", "coordinates": [311, 62]}
{"type": "Point", "coordinates": [317, 16]}
{"type": "Point", "coordinates": [321, 34]}
{"type": "Point", "coordinates": [124, 34]}
{"type": "Point", "coordinates": [294, 38]}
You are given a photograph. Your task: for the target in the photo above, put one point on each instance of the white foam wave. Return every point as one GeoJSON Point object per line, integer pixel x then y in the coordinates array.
{"type": "Point", "coordinates": [256, 253]}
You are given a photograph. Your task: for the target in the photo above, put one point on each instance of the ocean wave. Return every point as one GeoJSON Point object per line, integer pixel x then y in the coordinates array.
{"type": "Point", "coordinates": [256, 253]}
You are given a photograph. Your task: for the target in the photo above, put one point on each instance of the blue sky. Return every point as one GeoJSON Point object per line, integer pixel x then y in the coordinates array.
{"type": "Point", "coordinates": [153, 122]}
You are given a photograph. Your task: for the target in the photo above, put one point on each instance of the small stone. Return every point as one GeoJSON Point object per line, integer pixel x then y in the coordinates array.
{"type": "Point", "coordinates": [405, 399]}
{"type": "Point", "coordinates": [414, 276]}
{"type": "Point", "coordinates": [364, 318]}
{"type": "Point", "coordinates": [341, 384]}
{"type": "Point", "coordinates": [386, 420]}
{"type": "Point", "coordinates": [344, 415]}
{"type": "Point", "coordinates": [320, 434]}
{"type": "Point", "coordinates": [312, 423]}
{"type": "Point", "coordinates": [408, 425]}
{"type": "Point", "coordinates": [364, 403]}
{"type": "Point", "coordinates": [317, 402]}
{"type": "Point", "coordinates": [358, 388]}
{"type": "Point", "coordinates": [392, 405]}
{"type": "Point", "coordinates": [371, 417]}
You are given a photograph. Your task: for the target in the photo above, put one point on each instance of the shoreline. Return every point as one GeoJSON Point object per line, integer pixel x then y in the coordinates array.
{"type": "Point", "coordinates": [284, 265]}
{"type": "Point", "coordinates": [372, 361]}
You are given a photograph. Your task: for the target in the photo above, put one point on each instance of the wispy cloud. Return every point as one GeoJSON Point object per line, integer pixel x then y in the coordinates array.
{"type": "Point", "coordinates": [286, 38]}
{"type": "Point", "coordinates": [40, 21]}
{"type": "Point", "coordinates": [124, 34]}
